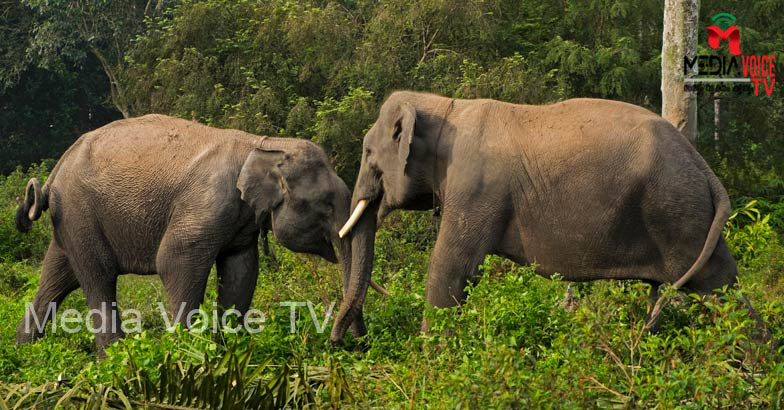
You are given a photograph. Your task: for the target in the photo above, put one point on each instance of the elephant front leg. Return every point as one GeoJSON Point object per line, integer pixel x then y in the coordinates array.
{"type": "Point", "coordinates": [237, 274]}
{"type": "Point", "coordinates": [461, 246]}
{"type": "Point", "coordinates": [184, 270]}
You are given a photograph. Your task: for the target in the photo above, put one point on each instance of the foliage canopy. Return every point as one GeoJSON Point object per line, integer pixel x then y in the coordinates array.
{"type": "Point", "coordinates": [319, 69]}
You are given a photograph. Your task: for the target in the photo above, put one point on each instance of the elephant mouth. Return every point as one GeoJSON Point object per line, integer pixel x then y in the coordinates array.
{"type": "Point", "coordinates": [375, 189]}
{"type": "Point", "coordinates": [370, 194]}
{"type": "Point", "coordinates": [314, 244]}
{"type": "Point", "coordinates": [328, 253]}
{"type": "Point", "coordinates": [378, 198]}
{"type": "Point", "coordinates": [384, 208]}
{"type": "Point", "coordinates": [327, 249]}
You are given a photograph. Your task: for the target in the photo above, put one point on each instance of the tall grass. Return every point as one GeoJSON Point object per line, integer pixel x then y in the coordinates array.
{"type": "Point", "coordinates": [512, 344]}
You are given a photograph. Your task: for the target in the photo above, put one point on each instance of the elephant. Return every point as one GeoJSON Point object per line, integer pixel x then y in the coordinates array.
{"type": "Point", "coordinates": [166, 196]}
{"type": "Point", "coordinates": [587, 188]}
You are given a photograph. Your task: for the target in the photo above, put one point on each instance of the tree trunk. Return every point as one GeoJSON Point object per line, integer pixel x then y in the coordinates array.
{"type": "Point", "coordinates": [716, 119]}
{"type": "Point", "coordinates": [118, 99]}
{"type": "Point", "coordinates": [679, 39]}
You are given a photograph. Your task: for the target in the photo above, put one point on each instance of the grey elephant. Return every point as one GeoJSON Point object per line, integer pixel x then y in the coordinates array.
{"type": "Point", "coordinates": [589, 188]}
{"type": "Point", "coordinates": [163, 195]}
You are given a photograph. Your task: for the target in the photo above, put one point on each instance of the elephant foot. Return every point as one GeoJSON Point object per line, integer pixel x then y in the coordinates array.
{"type": "Point", "coordinates": [443, 338]}
{"type": "Point", "coordinates": [425, 327]}
{"type": "Point", "coordinates": [361, 347]}
{"type": "Point", "coordinates": [27, 332]}
{"type": "Point", "coordinates": [102, 341]}
{"type": "Point", "coordinates": [570, 302]}
{"type": "Point", "coordinates": [335, 345]}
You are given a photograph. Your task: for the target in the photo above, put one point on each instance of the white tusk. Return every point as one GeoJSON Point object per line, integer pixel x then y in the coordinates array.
{"type": "Point", "coordinates": [361, 205]}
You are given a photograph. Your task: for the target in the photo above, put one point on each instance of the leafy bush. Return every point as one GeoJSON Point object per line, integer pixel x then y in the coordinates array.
{"type": "Point", "coordinates": [230, 381]}
{"type": "Point", "coordinates": [271, 67]}
{"type": "Point", "coordinates": [766, 272]}
{"type": "Point", "coordinates": [775, 209]}
{"type": "Point", "coordinates": [510, 305]}
{"type": "Point", "coordinates": [511, 344]}
{"type": "Point", "coordinates": [340, 126]}
{"type": "Point", "coordinates": [748, 232]}
{"type": "Point", "coordinates": [14, 245]}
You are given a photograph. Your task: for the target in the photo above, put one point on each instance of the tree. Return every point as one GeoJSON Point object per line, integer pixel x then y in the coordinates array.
{"type": "Point", "coordinates": [15, 22]}
{"type": "Point", "coordinates": [66, 30]}
{"type": "Point", "coordinates": [319, 69]}
{"type": "Point", "coordinates": [679, 39]}
{"type": "Point", "coordinates": [43, 107]}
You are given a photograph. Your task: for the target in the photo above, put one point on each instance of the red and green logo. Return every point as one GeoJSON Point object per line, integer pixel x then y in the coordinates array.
{"type": "Point", "coordinates": [718, 70]}
{"type": "Point", "coordinates": [724, 29]}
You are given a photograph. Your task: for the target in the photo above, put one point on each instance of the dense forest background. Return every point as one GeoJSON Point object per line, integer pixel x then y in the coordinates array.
{"type": "Point", "coordinates": [319, 69]}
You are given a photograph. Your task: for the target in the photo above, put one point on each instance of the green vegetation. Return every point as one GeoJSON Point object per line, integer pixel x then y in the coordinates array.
{"type": "Point", "coordinates": [319, 70]}
{"type": "Point", "coordinates": [511, 344]}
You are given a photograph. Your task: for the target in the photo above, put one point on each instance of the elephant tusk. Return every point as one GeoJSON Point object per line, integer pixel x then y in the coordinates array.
{"type": "Point", "coordinates": [361, 205]}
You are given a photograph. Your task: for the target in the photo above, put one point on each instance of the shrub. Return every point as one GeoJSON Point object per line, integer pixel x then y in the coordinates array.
{"type": "Point", "coordinates": [748, 232]}
{"type": "Point", "coordinates": [340, 126]}
{"type": "Point", "coordinates": [230, 380]}
{"type": "Point", "coordinates": [14, 245]}
{"type": "Point", "coordinates": [510, 345]}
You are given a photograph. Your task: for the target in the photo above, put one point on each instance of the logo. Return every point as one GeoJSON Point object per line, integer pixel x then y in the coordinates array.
{"type": "Point", "coordinates": [724, 29]}
{"type": "Point", "coordinates": [758, 69]}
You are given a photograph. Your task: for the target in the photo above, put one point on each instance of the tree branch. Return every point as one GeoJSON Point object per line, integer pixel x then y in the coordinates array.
{"type": "Point", "coordinates": [114, 86]}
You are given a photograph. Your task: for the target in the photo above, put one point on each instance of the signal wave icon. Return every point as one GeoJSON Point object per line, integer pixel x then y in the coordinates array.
{"type": "Point", "coordinates": [724, 20]}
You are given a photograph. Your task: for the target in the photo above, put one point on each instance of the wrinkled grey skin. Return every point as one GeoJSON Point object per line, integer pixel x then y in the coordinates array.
{"type": "Point", "coordinates": [591, 189]}
{"type": "Point", "coordinates": [160, 195]}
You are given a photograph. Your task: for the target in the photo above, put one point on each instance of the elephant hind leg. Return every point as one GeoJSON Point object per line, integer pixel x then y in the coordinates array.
{"type": "Point", "coordinates": [721, 270]}
{"type": "Point", "coordinates": [761, 332]}
{"type": "Point", "coordinates": [96, 269]}
{"type": "Point", "coordinates": [57, 281]}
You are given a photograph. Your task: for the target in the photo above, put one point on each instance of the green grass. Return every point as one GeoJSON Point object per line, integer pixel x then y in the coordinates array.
{"type": "Point", "coordinates": [511, 344]}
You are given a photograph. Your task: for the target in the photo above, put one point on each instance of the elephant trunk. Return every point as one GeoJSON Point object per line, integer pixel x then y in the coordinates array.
{"type": "Point", "coordinates": [342, 207]}
{"type": "Point", "coordinates": [362, 247]}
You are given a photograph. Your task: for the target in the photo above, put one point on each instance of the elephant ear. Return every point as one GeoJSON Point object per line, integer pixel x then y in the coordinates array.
{"type": "Point", "coordinates": [262, 185]}
{"type": "Point", "coordinates": [404, 131]}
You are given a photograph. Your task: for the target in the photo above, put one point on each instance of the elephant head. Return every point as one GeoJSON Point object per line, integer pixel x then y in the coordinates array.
{"type": "Point", "coordinates": [292, 189]}
{"type": "Point", "coordinates": [394, 173]}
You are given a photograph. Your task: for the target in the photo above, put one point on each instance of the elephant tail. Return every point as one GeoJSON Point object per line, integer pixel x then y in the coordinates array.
{"type": "Point", "coordinates": [721, 205]}
{"type": "Point", "coordinates": [36, 201]}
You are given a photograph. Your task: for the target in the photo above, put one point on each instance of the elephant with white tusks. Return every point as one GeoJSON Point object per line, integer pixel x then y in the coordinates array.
{"type": "Point", "coordinates": [162, 195]}
{"type": "Point", "coordinates": [589, 188]}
